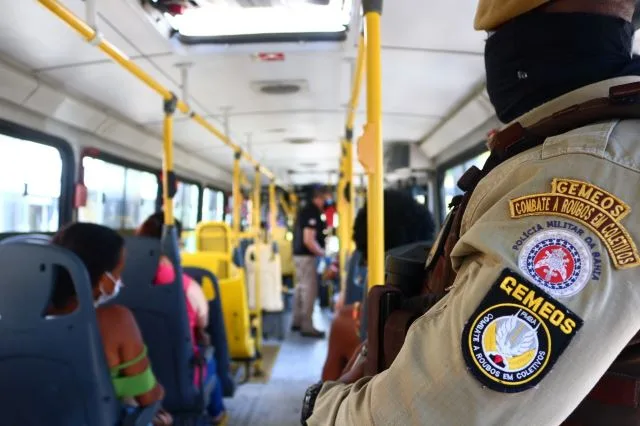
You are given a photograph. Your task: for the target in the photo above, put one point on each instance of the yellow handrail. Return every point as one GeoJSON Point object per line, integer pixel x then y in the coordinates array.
{"type": "Point", "coordinates": [273, 207]}
{"type": "Point", "coordinates": [167, 161]}
{"type": "Point", "coordinates": [236, 193]}
{"type": "Point", "coordinates": [375, 189]}
{"type": "Point", "coordinates": [257, 193]}
{"type": "Point", "coordinates": [89, 34]}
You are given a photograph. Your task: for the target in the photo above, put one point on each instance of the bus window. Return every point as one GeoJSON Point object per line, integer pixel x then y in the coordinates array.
{"type": "Point", "coordinates": [30, 186]}
{"type": "Point", "coordinates": [118, 197]}
{"type": "Point", "coordinates": [105, 193]}
{"type": "Point", "coordinates": [186, 204]}
{"type": "Point", "coordinates": [141, 191]}
{"type": "Point", "coordinates": [453, 174]}
{"type": "Point", "coordinates": [212, 205]}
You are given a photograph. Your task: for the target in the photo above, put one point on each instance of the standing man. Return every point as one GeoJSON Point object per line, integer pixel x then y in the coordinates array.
{"type": "Point", "coordinates": [539, 269]}
{"type": "Point", "coordinates": [308, 244]}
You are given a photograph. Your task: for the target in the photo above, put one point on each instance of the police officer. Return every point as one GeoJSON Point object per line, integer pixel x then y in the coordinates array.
{"type": "Point", "coordinates": [308, 244]}
{"type": "Point", "coordinates": [546, 286]}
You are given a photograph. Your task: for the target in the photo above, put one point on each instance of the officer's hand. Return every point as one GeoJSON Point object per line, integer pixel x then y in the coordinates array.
{"type": "Point", "coordinates": [355, 373]}
{"type": "Point", "coordinates": [354, 370]}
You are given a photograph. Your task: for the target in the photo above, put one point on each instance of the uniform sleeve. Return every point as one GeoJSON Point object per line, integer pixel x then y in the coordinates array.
{"type": "Point", "coordinates": [308, 219]}
{"type": "Point", "coordinates": [540, 308]}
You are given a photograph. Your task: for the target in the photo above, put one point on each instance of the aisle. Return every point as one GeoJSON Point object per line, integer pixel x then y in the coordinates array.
{"type": "Point", "coordinates": [278, 402]}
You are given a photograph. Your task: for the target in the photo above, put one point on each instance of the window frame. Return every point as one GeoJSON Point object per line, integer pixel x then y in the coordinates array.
{"type": "Point", "coordinates": [98, 154]}
{"type": "Point", "coordinates": [67, 175]}
{"type": "Point", "coordinates": [224, 199]}
{"type": "Point", "coordinates": [200, 187]}
{"type": "Point", "coordinates": [457, 160]}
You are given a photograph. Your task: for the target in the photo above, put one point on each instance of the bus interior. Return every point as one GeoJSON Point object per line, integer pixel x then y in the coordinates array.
{"type": "Point", "coordinates": [224, 113]}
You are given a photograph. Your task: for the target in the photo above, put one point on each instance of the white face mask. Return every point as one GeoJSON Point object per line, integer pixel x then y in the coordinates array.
{"type": "Point", "coordinates": [105, 297]}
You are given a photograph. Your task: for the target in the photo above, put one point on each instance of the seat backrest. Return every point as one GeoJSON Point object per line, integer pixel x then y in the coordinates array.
{"type": "Point", "coordinates": [27, 238]}
{"type": "Point", "coordinates": [233, 296]}
{"type": "Point", "coordinates": [285, 248]}
{"type": "Point", "coordinates": [216, 328]}
{"type": "Point", "coordinates": [52, 369]}
{"type": "Point", "coordinates": [270, 277]}
{"type": "Point", "coordinates": [213, 236]}
{"type": "Point", "coordinates": [161, 314]}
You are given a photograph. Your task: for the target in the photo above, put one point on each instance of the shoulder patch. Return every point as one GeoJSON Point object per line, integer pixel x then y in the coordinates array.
{"type": "Point", "coordinates": [557, 261]}
{"type": "Point", "coordinates": [516, 335]}
{"type": "Point", "coordinates": [590, 205]}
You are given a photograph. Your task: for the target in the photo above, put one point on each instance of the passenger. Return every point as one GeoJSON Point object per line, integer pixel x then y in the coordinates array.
{"type": "Point", "coordinates": [308, 245]}
{"type": "Point", "coordinates": [405, 222]}
{"type": "Point", "coordinates": [542, 300]}
{"type": "Point", "coordinates": [103, 253]}
{"type": "Point", "coordinates": [197, 310]}
{"type": "Point", "coordinates": [197, 305]}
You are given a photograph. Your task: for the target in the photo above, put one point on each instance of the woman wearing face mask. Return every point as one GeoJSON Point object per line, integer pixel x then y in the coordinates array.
{"type": "Point", "coordinates": [103, 253]}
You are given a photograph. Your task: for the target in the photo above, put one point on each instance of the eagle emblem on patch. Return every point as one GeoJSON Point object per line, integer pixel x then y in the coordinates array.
{"type": "Point", "coordinates": [557, 261]}
{"type": "Point", "coordinates": [516, 335]}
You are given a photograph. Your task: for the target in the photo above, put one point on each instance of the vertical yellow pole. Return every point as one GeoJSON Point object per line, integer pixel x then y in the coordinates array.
{"type": "Point", "coordinates": [258, 244]}
{"type": "Point", "coordinates": [273, 207]}
{"type": "Point", "coordinates": [375, 202]}
{"type": "Point", "coordinates": [168, 175]}
{"type": "Point", "coordinates": [236, 193]}
{"type": "Point", "coordinates": [256, 219]}
{"type": "Point", "coordinates": [294, 205]}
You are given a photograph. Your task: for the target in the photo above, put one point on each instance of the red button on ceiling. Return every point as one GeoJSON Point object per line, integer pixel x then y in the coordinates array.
{"type": "Point", "coordinates": [271, 57]}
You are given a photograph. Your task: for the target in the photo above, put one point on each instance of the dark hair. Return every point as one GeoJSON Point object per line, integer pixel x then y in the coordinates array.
{"type": "Point", "coordinates": [97, 246]}
{"type": "Point", "coordinates": [152, 226]}
{"type": "Point", "coordinates": [405, 222]}
{"type": "Point", "coordinates": [319, 191]}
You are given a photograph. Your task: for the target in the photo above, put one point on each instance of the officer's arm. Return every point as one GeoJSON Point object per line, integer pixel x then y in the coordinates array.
{"type": "Point", "coordinates": [309, 239]}
{"type": "Point", "coordinates": [484, 354]}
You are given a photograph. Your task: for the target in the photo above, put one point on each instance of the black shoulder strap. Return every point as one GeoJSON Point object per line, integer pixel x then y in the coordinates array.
{"type": "Point", "coordinates": [623, 102]}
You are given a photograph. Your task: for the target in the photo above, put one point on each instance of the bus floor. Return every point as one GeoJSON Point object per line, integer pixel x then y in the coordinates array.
{"type": "Point", "coordinates": [278, 402]}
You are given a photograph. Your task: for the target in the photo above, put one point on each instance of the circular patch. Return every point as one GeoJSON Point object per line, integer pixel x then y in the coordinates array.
{"type": "Point", "coordinates": [557, 261]}
{"type": "Point", "coordinates": [510, 346]}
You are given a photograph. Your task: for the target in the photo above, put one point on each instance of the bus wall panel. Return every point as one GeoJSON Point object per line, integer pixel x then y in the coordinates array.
{"type": "Point", "coordinates": [14, 85]}
{"type": "Point", "coordinates": [55, 104]}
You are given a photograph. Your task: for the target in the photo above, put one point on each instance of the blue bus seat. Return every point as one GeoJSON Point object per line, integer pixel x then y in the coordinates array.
{"type": "Point", "coordinates": [216, 330]}
{"type": "Point", "coordinates": [161, 314]}
{"type": "Point", "coordinates": [27, 238]}
{"type": "Point", "coordinates": [240, 251]}
{"type": "Point", "coordinates": [52, 369]}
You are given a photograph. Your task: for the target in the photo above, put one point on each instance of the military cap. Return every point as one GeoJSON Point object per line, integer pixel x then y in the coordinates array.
{"type": "Point", "coordinates": [493, 13]}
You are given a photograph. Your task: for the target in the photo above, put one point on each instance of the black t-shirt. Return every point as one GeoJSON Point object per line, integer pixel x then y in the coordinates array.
{"type": "Point", "coordinates": [309, 217]}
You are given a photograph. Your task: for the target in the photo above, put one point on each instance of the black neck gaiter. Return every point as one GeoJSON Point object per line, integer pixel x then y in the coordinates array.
{"type": "Point", "coordinates": [540, 56]}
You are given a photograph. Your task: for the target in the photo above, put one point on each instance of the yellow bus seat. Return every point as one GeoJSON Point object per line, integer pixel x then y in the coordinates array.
{"type": "Point", "coordinates": [215, 237]}
{"type": "Point", "coordinates": [233, 296]}
{"type": "Point", "coordinates": [285, 248]}
{"type": "Point", "coordinates": [270, 277]}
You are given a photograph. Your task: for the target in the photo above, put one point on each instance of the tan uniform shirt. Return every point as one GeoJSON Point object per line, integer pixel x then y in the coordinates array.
{"type": "Point", "coordinates": [567, 236]}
